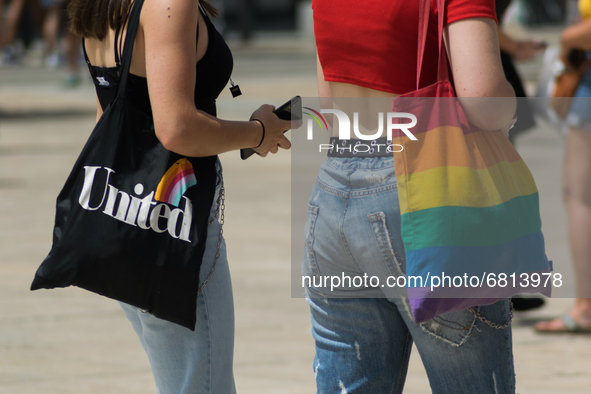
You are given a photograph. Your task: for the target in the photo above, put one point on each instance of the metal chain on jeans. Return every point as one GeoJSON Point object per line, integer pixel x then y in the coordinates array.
{"type": "Point", "coordinates": [491, 324]}
{"type": "Point", "coordinates": [219, 211]}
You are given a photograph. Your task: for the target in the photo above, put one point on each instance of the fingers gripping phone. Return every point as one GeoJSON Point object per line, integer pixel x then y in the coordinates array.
{"type": "Point", "coordinates": [291, 110]}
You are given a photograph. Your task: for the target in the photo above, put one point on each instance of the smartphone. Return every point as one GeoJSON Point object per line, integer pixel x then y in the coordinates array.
{"type": "Point", "coordinates": [288, 111]}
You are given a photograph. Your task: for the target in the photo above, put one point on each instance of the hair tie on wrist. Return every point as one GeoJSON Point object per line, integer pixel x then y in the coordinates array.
{"type": "Point", "coordinates": [263, 137]}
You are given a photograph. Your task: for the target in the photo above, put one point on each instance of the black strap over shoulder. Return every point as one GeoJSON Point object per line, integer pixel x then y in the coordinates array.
{"type": "Point", "coordinates": [117, 45]}
{"type": "Point", "coordinates": [132, 25]}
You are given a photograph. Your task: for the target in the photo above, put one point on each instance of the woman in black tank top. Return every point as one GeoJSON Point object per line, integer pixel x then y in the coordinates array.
{"type": "Point", "coordinates": [179, 66]}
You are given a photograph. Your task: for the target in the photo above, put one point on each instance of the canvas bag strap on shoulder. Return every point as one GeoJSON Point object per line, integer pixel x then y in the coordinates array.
{"type": "Point", "coordinates": [132, 25]}
{"type": "Point", "coordinates": [443, 66]}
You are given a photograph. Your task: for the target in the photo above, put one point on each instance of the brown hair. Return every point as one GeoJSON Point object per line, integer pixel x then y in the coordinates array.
{"type": "Point", "coordinates": [94, 18]}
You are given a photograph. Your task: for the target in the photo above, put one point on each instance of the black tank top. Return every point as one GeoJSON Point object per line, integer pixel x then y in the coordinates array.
{"type": "Point", "coordinates": [213, 73]}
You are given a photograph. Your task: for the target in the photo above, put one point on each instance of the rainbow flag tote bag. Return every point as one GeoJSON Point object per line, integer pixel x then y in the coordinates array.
{"type": "Point", "coordinates": [132, 218]}
{"type": "Point", "coordinates": [469, 206]}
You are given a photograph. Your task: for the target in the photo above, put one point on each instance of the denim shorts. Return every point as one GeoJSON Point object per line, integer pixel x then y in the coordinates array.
{"type": "Point", "coordinates": [579, 115]}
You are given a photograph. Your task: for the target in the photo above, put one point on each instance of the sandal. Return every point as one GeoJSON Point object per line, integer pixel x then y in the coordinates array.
{"type": "Point", "coordinates": [570, 326]}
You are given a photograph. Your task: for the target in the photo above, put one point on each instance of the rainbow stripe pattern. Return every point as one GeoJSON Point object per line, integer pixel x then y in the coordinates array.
{"type": "Point", "coordinates": [175, 182]}
{"type": "Point", "coordinates": [469, 209]}
{"type": "Point", "coordinates": [317, 117]}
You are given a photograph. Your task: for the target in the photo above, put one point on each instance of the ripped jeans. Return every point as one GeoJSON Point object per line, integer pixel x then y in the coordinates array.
{"type": "Point", "coordinates": [363, 332]}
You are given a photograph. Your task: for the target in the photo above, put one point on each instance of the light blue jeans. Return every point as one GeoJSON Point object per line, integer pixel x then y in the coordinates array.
{"type": "Point", "coordinates": [364, 334]}
{"type": "Point", "coordinates": [200, 361]}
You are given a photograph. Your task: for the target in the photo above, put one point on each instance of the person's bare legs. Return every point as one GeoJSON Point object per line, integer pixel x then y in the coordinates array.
{"type": "Point", "coordinates": [13, 16]}
{"type": "Point", "coordinates": [577, 198]}
{"type": "Point", "coordinates": [51, 23]}
{"type": "Point", "coordinates": [1, 24]}
{"type": "Point", "coordinates": [73, 45]}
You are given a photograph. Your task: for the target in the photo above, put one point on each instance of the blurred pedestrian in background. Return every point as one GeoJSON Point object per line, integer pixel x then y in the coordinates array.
{"type": "Point", "coordinates": [52, 10]}
{"type": "Point", "coordinates": [521, 50]}
{"type": "Point", "coordinates": [14, 14]}
{"type": "Point", "coordinates": [56, 21]}
{"type": "Point", "coordinates": [73, 46]}
{"type": "Point", "coordinates": [577, 181]}
{"type": "Point", "coordinates": [1, 26]}
{"type": "Point", "coordinates": [48, 21]}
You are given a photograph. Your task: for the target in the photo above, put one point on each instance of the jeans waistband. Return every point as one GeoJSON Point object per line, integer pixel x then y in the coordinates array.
{"type": "Point", "coordinates": [380, 147]}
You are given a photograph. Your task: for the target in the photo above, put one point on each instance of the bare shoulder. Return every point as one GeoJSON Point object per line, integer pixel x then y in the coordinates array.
{"type": "Point", "coordinates": [479, 30]}
{"type": "Point", "coordinates": [169, 14]}
{"type": "Point", "coordinates": [170, 33]}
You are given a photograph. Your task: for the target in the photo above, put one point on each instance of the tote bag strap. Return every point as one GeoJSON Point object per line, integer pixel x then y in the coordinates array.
{"type": "Point", "coordinates": [132, 25]}
{"type": "Point", "coordinates": [443, 66]}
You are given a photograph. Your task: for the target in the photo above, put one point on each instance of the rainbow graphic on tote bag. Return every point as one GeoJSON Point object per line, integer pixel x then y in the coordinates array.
{"type": "Point", "coordinates": [175, 182]}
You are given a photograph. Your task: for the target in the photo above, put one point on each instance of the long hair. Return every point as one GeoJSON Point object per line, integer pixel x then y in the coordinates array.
{"type": "Point", "coordinates": [94, 18]}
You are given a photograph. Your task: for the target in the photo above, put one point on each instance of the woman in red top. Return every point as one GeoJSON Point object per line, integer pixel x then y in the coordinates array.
{"type": "Point", "coordinates": [364, 334]}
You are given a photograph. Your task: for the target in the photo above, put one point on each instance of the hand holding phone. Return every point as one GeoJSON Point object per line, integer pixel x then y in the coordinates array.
{"type": "Point", "coordinates": [291, 110]}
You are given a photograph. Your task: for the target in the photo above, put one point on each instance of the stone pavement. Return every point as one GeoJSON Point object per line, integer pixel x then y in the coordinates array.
{"type": "Point", "coordinates": [71, 341]}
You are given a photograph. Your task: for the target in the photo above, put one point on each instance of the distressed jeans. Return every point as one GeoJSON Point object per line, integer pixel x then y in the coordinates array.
{"type": "Point", "coordinates": [363, 333]}
{"type": "Point", "coordinates": [200, 361]}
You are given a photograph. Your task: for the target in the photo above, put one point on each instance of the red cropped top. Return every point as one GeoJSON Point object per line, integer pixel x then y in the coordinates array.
{"type": "Point", "coordinates": [374, 44]}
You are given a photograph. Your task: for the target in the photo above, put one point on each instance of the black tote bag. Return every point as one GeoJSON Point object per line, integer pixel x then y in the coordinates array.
{"type": "Point", "coordinates": [131, 220]}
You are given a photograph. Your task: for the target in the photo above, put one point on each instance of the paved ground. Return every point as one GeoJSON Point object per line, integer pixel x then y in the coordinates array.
{"type": "Point", "coordinates": [71, 341]}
